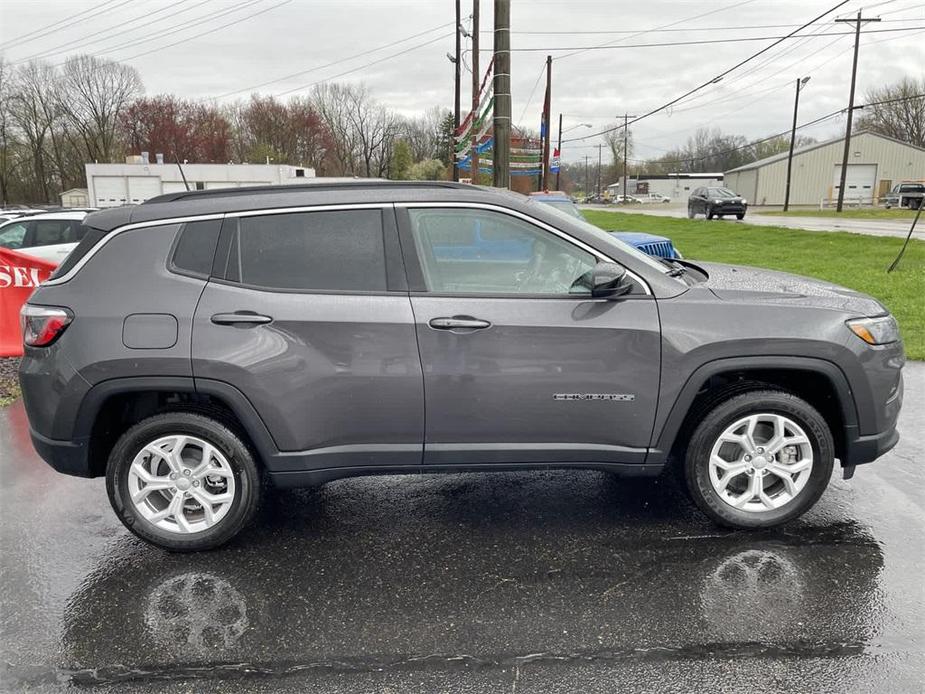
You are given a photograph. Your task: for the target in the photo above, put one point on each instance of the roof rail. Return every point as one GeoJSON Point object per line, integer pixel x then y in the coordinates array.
{"type": "Point", "coordinates": [302, 187]}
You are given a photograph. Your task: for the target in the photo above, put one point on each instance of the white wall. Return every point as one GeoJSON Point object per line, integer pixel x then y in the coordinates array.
{"type": "Point", "coordinates": [111, 185]}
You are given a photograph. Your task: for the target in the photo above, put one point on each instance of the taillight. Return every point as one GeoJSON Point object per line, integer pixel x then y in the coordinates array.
{"type": "Point", "coordinates": [42, 325]}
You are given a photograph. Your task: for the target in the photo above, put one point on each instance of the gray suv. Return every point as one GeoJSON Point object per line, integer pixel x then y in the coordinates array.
{"type": "Point", "coordinates": [199, 344]}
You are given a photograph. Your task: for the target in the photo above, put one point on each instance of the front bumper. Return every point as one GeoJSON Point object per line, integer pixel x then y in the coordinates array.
{"type": "Point", "coordinates": [729, 208]}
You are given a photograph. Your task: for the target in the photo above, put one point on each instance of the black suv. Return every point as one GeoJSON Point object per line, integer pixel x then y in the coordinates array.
{"type": "Point", "coordinates": [716, 202]}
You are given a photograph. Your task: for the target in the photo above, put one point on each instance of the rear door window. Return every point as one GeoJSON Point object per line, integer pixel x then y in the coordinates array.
{"type": "Point", "coordinates": [337, 250]}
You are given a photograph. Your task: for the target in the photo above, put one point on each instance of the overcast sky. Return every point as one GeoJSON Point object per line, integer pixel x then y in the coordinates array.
{"type": "Point", "coordinates": [268, 40]}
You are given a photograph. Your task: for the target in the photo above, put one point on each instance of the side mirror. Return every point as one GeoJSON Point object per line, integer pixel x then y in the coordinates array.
{"type": "Point", "coordinates": [609, 280]}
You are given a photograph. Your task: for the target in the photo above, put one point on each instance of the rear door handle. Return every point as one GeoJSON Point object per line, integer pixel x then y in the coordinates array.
{"type": "Point", "coordinates": [240, 318]}
{"type": "Point", "coordinates": [459, 322]}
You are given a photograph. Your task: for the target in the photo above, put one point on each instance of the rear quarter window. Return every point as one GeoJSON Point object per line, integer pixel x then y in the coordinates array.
{"type": "Point", "coordinates": [195, 247]}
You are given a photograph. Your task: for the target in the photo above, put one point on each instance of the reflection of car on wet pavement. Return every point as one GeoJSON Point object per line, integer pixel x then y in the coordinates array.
{"type": "Point", "coordinates": [193, 345]}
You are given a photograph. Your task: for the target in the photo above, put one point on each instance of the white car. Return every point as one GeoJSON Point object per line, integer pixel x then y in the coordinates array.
{"type": "Point", "coordinates": [49, 236]}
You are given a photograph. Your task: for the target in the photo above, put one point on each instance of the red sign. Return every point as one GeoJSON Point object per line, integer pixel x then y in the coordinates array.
{"type": "Point", "coordinates": [20, 274]}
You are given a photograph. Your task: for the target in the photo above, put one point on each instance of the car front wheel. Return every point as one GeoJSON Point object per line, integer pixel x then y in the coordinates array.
{"type": "Point", "coordinates": [183, 481]}
{"type": "Point", "coordinates": [709, 213]}
{"type": "Point", "coordinates": [759, 459]}
{"type": "Point", "coordinates": [740, 215]}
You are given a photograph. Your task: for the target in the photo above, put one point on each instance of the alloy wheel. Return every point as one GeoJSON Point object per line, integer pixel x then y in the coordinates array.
{"type": "Point", "coordinates": [181, 484]}
{"type": "Point", "coordinates": [761, 462]}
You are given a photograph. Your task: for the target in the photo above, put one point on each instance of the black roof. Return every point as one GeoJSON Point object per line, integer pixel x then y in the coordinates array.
{"type": "Point", "coordinates": [221, 200]}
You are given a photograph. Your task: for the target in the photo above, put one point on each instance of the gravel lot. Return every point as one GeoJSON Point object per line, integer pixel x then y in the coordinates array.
{"type": "Point", "coordinates": [9, 384]}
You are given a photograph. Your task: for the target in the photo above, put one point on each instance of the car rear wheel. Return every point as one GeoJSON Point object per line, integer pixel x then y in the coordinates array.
{"type": "Point", "coordinates": [690, 212]}
{"type": "Point", "coordinates": [759, 459]}
{"type": "Point", "coordinates": [183, 481]}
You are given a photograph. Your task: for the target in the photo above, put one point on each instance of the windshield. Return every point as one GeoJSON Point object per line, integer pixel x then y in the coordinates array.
{"type": "Point", "coordinates": [566, 206]}
{"type": "Point", "coordinates": [609, 240]}
{"type": "Point", "coordinates": [720, 193]}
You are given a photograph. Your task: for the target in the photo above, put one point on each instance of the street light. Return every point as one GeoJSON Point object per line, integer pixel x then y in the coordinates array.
{"type": "Point", "coordinates": [559, 147]}
{"type": "Point", "coordinates": [793, 135]}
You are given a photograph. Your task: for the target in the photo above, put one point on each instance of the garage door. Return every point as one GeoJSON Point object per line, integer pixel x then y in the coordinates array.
{"type": "Point", "coordinates": [109, 191]}
{"type": "Point", "coordinates": [141, 188]}
{"type": "Point", "coordinates": [859, 183]}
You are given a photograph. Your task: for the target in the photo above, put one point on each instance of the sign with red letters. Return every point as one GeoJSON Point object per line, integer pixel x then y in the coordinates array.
{"type": "Point", "coordinates": [20, 274]}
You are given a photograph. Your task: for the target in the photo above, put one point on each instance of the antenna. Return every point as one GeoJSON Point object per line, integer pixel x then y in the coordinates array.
{"type": "Point", "coordinates": [177, 159]}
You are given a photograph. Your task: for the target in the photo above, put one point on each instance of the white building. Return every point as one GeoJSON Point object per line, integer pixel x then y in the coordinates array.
{"type": "Point", "coordinates": [111, 185]}
{"type": "Point", "coordinates": [75, 197]}
{"type": "Point", "coordinates": [677, 186]}
{"type": "Point", "coordinates": [875, 164]}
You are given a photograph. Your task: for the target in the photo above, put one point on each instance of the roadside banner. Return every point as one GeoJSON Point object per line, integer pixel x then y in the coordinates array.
{"type": "Point", "coordinates": [20, 274]}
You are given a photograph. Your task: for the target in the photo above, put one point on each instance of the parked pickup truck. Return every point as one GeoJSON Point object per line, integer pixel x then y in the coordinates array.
{"type": "Point", "coordinates": [906, 194]}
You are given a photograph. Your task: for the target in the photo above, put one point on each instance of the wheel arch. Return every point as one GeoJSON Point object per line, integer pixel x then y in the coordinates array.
{"type": "Point", "coordinates": [819, 382]}
{"type": "Point", "coordinates": [112, 406]}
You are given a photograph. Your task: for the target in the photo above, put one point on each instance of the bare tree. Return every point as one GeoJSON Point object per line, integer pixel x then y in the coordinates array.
{"type": "Point", "coordinates": [9, 161]}
{"type": "Point", "coordinates": [362, 131]}
{"type": "Point", "coordinates": [32, 115]}
{"type": "Point", "coordinates": [903, 117]}
{"type": "Point", "coordinates": [93, 94]}
{"type": "Point", "coordinates": [425, 133]}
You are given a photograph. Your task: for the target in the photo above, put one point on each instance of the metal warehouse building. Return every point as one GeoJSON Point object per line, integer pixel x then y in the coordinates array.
{"type": "Point", "coordinates": [111, 185]}
{"type": "Point", "coordinates": [875, 164]}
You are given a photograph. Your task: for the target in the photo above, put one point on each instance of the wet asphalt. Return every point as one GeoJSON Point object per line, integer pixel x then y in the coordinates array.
{"type": "Point", "coordinates": [511, 582]}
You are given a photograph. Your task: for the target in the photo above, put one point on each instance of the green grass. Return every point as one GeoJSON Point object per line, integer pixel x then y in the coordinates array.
{"type": "Point", "coordinates": [851, 260]}
{"type": "Point", "coordinates": [858, 213]}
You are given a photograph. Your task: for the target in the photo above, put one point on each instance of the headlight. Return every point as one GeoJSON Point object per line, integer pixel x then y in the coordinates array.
{"type": "Point", "coordinates": [744, 201]}
{"type": "Point", "coordinates": [717, 202]}
{"type": "Point", "coordinates": [875, 331]}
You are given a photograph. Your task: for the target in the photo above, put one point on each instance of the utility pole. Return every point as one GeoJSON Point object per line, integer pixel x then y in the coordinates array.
{"type": "Point", "coordinates": [600, 149]}
{"type": "Point", "coordinates": [854, 72]}
{"type": "Point", "coordinates": [456, 103]}
{"type": "Point", "coordinates": [476, 86]}
{"type": "Point", "coordinates": [626, 153]}
{"type": "Point", "coordinates": [502, 120]}
{"type": "Point", "coordinates": [547, 126]}
{"type": "Point", "coordinates": [793, 136]}
{"type": "Point", "coordinates": [559, 150]}
{"type": "Point", "coordinates": [587, 178]}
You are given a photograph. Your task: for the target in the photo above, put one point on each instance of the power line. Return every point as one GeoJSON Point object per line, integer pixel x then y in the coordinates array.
{"type": "Point", "coordinates": [82, 41]}
{"type": "Point", "coordinates": [715, 79]}
{"type": "Point", "coordinates": [337, 62]}
{"type": "Point", "coordinates": [362, 67]}
{"type": "Point", "coordinates": [681, 30]}
{"type": "Point", "coordinates": [182, 26]}
{"type": "Point", "coordinates": [702, 42]}
{"type": "Point", "coordinates": [666, 26]}
{"type": "Point", "coordinates": [49, 28]}
{"type": "Point", "coordinates": [815, 121]}
{"type": "Point", "coordinates": [209, 31]}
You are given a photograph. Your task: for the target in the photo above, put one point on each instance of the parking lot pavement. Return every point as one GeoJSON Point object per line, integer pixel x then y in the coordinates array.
{"type": "Point", "coordinates": [868, 227]}
{"type": "Point", "coordinates": [522, 582]}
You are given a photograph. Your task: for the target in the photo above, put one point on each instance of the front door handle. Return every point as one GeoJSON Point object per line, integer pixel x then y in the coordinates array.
{"type": "Point", "coordinates": [459, 322]}
{"type": "Point", "coordinates": [240, 318]}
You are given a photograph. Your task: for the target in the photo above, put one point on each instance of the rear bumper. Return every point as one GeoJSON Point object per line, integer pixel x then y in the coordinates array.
{"type": "Point", "coordinates": [67, 457]}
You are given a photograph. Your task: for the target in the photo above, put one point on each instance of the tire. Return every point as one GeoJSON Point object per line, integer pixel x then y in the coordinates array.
{"type": "Point", "coordinates": [709, 213]}
{"type": "Point", "coordinates": [795, 499]}
{"type": "Point", "coordinates": [235, 474]}
{"type": "Point", "coordinates": [690, 212]}
{"type": "Point", "coordinates": [740, 216]}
